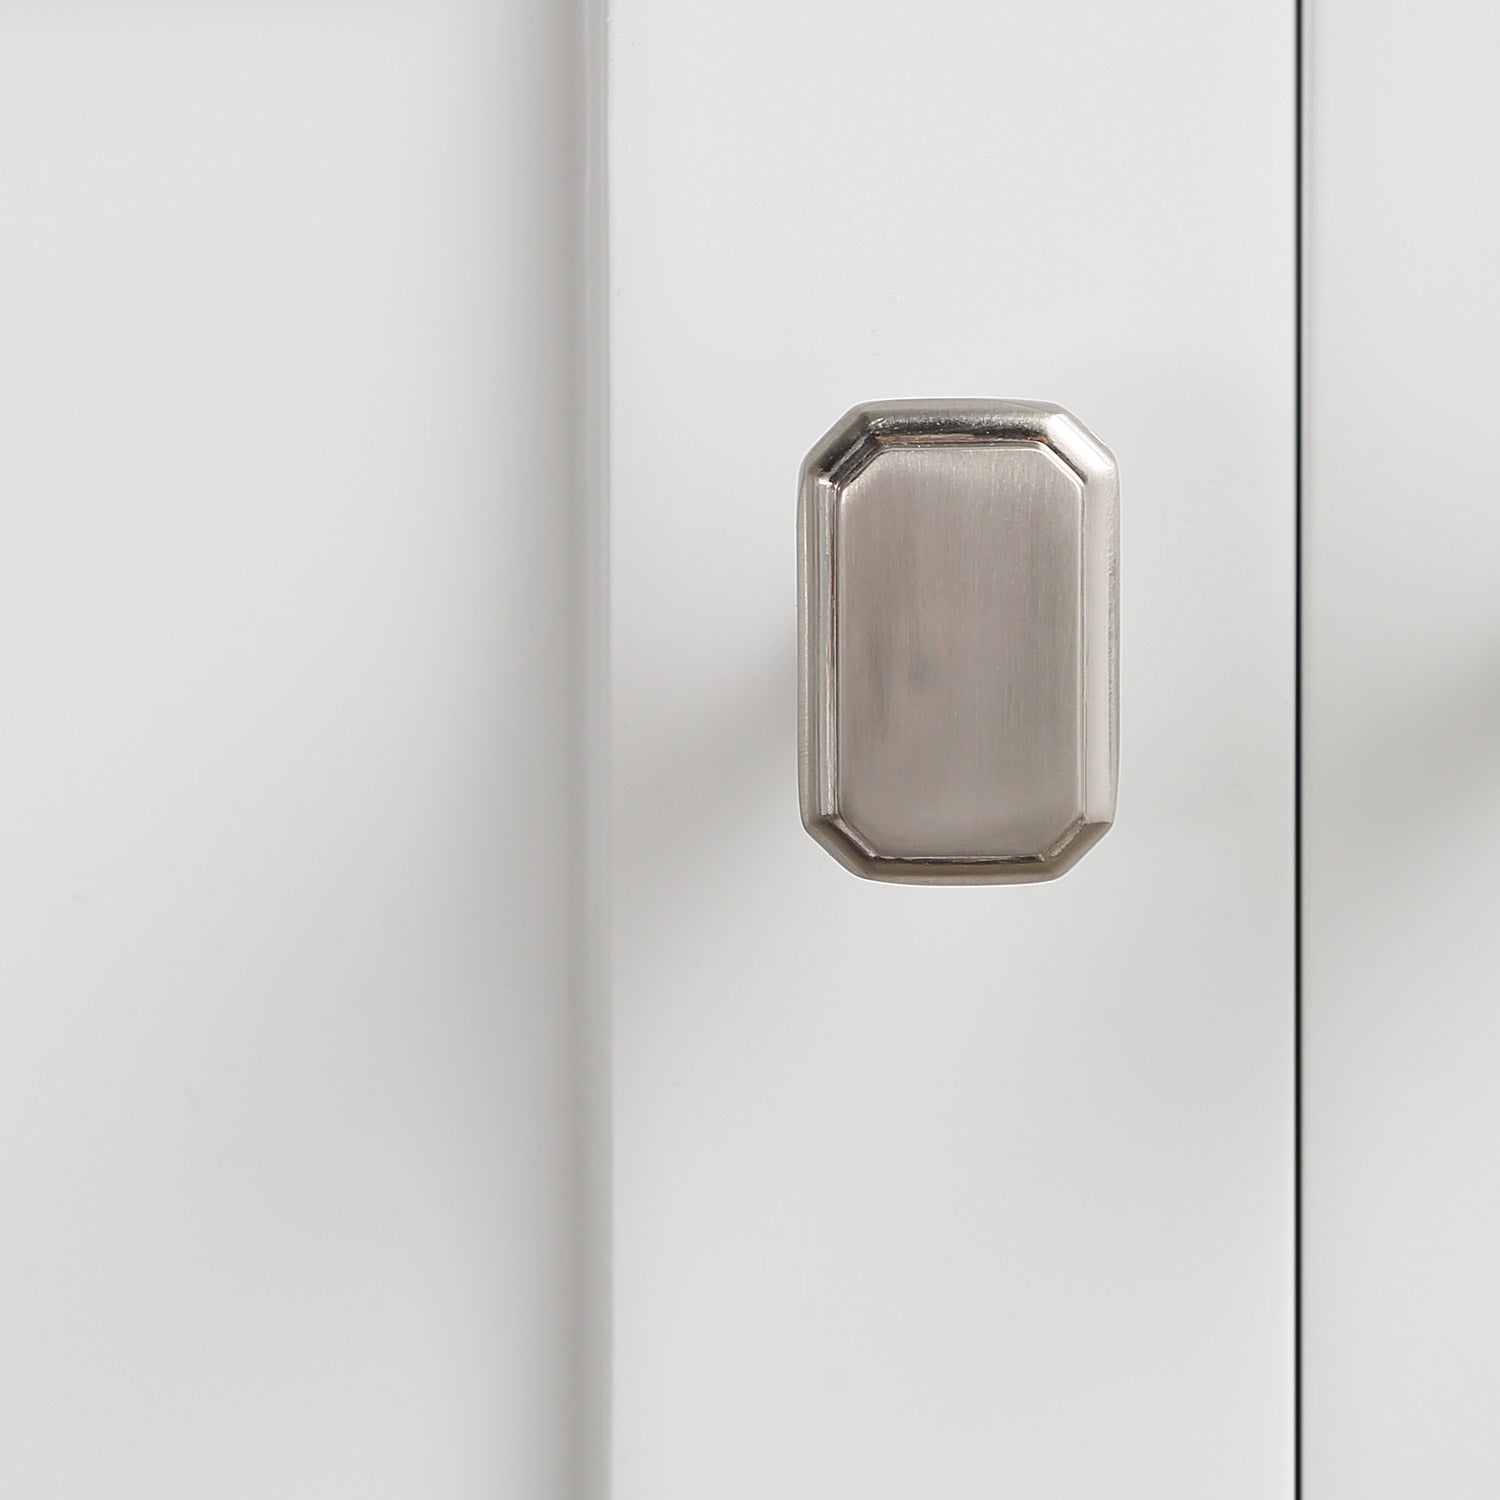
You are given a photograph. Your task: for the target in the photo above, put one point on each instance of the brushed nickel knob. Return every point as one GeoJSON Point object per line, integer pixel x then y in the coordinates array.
{"type": "Point", "coordinates": [959, 629]}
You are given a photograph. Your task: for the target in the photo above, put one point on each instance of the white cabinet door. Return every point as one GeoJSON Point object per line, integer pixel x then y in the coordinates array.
{"type": "Point", "coordinates": [947, 1192]}
{"type": "Point", "coordinates": [953, 1192]}
{"type": "Point", "coordinates": [290, 1090]}
{"type": "Point", "coordinates": [1401, 790]}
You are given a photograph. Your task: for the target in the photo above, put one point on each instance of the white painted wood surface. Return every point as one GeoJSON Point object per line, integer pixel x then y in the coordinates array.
{"type": "Point", "coordinates": [289, 1075]}
{"type": "Point", "coordinates": [1401, 790]}
{"type": "Point", "coordinates": [918, 1192]}
{"type": "Point", "coordinates": [951, 1192]}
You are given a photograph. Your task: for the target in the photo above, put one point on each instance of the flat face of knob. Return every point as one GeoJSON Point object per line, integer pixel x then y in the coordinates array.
{"type": "Point", "coordinates": [959, 623]}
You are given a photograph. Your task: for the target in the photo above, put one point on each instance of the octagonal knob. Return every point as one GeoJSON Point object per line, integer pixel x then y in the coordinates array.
{"type": "Point", "coordinates": [959, 624]}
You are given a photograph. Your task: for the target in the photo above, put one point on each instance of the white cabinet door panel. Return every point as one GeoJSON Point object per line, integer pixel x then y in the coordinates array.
{"type": "Point", "coordinates": [289, 1067]}
{"type": "Point", "coordinates": [1401, 696]}
{"type": "Point", "coordinates": [951, 1192]}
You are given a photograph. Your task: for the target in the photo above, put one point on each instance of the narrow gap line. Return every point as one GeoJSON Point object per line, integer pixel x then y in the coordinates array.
{"type": "Point", "coordinates": [1298, 234]}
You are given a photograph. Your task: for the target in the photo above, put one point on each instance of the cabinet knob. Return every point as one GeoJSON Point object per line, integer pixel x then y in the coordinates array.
{"type": "Point", "coordinates": [959, 641]}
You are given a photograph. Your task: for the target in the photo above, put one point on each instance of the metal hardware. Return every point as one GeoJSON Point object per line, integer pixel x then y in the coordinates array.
{"type": "Point", "coordinates": [959, 626]}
